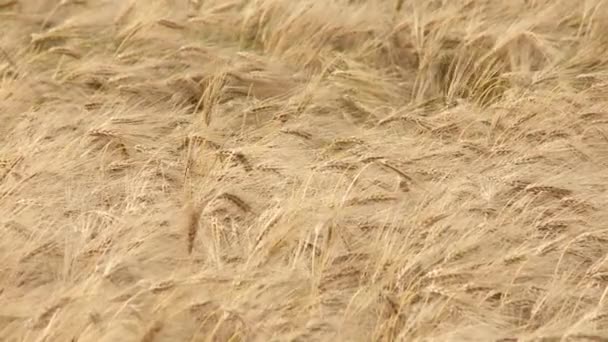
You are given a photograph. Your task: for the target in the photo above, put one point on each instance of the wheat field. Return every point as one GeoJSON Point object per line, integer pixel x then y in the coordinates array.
{"type": "Point", "coordinates": [280, 170]}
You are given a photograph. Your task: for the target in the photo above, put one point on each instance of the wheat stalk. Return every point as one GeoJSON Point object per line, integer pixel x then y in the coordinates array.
{"type": "Point", "coordinates": [197, 140]}
{"type": "Point", "coordinates": [336, 165]}
{"type": "Point", "coordinates": [396, 170]}
{"type": "Point", "coordinates": [377, 198]}
{"type": "Point", "coordinates": [65, 51]}
{"type": "Point", "coordinates": [45, 316]}
{"type": "Point", "coordinates": [298, 133]}
{"type": "Point", "coordinates": [191, 215]}
{"type": "Point", "coordinates": [152, 331]}
{"type": "Point", "coordinates": [105, 133]}
{"type": "Point", "coordinates": [8, 3]}
{"type": "Point", "coordinates": [236, 156]}
{"type": "Point", "coordinates": [236, 200]}
{"type": "Point", "coordinates": [170, 24]}
{"type": "Point", "coordinates": [551, 190]}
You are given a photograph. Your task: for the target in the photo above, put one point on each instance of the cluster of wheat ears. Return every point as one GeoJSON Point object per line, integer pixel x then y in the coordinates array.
{"type": "Point", "coordinates": [280, 170]}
